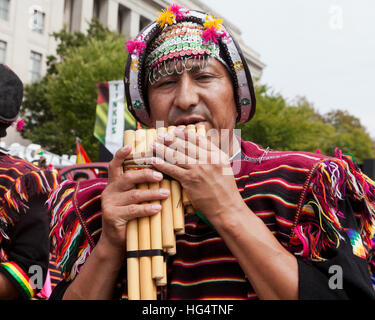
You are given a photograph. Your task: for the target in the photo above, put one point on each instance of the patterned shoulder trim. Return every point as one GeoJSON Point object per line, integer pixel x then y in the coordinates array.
{"type": "Point", "coordinates": [329, 181]}
{"type": "Point", "coordinates": [24, 188]}
{"type": "Point", "coordinates": [70, 237]}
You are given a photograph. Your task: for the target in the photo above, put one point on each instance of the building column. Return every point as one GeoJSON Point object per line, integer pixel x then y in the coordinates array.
{"type": "Point", "coordinates": [109, 15]}
{"type": "Point", "coordinates": [82, 13]}
{"type": "Point", "coordinates": [134, 24]}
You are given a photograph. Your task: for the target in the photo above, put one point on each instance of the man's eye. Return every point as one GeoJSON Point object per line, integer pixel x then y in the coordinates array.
{"type": "Point", "coordinates": [166, 83]}
{"type": "Point", "coordinates": [204, 77]}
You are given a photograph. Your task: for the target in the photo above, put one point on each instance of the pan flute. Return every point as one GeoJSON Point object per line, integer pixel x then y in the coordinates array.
{"type": "Point", "coordinates": [149, 240]}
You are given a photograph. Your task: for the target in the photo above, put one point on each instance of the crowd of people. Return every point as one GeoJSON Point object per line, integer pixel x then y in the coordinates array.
{"type": "Point", "coordinates": [268, 224]}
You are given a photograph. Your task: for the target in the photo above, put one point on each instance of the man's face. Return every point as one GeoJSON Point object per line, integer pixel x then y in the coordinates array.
{"type": "Point", "coordinates": [194, 97]}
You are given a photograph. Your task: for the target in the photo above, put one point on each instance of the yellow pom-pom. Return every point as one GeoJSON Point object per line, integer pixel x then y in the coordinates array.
{"type": "Point", "coordinates": [165, 17]}
{"type": "Point", "coordinates": [212, 22]}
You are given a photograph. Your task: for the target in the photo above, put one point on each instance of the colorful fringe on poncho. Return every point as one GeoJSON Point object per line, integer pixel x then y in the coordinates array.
{"type": "Point", "coordinates": [328, 182]}
{"type": "Point", "coordinates": [20, 181]}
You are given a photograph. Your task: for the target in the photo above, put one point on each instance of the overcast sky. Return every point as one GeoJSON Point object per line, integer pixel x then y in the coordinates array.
{"type": "Point", "coordinates": [321, 49]}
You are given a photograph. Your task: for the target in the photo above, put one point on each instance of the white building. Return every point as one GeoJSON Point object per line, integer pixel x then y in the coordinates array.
{"type": "Point", "coordinates": [26, 27]}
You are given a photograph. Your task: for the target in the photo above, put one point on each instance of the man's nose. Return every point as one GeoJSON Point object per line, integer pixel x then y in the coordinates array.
{"type": "Point", "coordinates": [186, 93]}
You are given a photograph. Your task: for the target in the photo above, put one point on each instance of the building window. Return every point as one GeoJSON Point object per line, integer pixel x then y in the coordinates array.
{"type": "Point", "coordinates": [144, 22]}
{"type": "Point", "coordinates": [3, 51]}
{"type": "Point", "coordinates": [35, 66]}
{"type": "Point", "coordinates": [4, 9]}
{"type": "Point", "coordinates": [38, 18]}
{"type": "Point", "coordinates": [123, 21]}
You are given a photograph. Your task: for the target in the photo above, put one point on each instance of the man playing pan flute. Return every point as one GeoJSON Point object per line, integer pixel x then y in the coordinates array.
{"type": "Point", "coordinates": [281, 225]}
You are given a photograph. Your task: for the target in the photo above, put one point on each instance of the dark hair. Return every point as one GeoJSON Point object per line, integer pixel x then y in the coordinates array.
{"type": "Point", "coordinates": [3, 130]}
{"type": "Point", "coordinates": [80, 174]}
{"type": "Point", "coordinates": [11, 94]}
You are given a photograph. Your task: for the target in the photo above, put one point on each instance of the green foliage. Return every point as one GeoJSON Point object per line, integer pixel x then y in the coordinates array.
{"type": "Point", "coordinates": [281, 125]}
{"type": "Point", "coordinates": [350, 136]}
{"type": "Point", "coordinates": [63, 105]}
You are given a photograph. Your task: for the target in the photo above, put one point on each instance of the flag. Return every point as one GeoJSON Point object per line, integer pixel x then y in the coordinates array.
{"type": "Point", "coordinates": [112, 116]}
{"type": "Point", "coordinates": [82, 156]}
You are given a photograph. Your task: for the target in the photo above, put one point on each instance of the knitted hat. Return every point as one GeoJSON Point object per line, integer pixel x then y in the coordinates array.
{"type": "Point", "coordinates": [182, 35]}
{"type": "Point", "coordinates": [11, 94]}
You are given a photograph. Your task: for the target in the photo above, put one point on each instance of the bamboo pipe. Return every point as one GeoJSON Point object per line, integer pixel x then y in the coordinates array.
{"type": "Point", "coordinates": [132, 239]}
{"type": "Point", "coordinates": [163, 281]}
{"type": "Point", "coordinates": [168, 238]}
{"type": "Point", "coordinates": [177, 206]}
{"type": "Point", "coordinates": [157, 262]}
{"type": "Point", "coordinates": [144, 237]}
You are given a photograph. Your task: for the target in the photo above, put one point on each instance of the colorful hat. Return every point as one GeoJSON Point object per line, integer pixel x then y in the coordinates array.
{"type": "Point", "coordinates": [177, 35]}
{"type": "Point", "coordinates": [11, 94]}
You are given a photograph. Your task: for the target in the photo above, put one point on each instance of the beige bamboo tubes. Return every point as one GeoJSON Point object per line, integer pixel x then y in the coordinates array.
{"type": "Point", "coordinates": [132, 239]}
{"type": "Point", "coordinates": [144, 236]}
{"type": "Point", "coordinates": [168, 238]}
{"type": "Point", "coordinates": [177, 205]}
{"type": "Point", "coordinates": [155, 224]}
{"type": "Point", "coordinates": [163, 281]}
{"type": "Point", "coordinates": [185, 199]}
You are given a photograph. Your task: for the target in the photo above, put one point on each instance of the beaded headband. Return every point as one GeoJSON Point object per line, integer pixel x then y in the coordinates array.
{"type": "Point", "coordinates": [180, 35]}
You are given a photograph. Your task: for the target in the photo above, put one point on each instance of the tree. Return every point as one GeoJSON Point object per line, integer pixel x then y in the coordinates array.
{"type": "Point", "coordinates": [280, 125]}
{"type": "Point", "coordinates": [63, 104]}
{"type": "Point", "coordinates": [350, 136]}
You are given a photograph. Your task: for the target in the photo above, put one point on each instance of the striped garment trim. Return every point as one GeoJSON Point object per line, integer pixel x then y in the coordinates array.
{"type": "Point", "coordinates": [194, 244]}
{"type": "Point", "coordinates": [264, 214]}
{"type": "Point", "coordinates": [5, 176]}
{"type": "Point", "coordinates": [278, 181]}
{"type": "Point", "coordinates": [93, 217]}
{"type": "Point", "coordinates": [93, 234]}
{"type": "Point", "coordinates": [20, 276]}
{"type": "Point", "coordinates": [185, 264]}
{"type": "Point", "coordinates": [207, 280]}
{"type": "Point", "coordinates": [82, 207]}
{"type": "Point", "coordinates": [273, 196]}
{"type": "Point", "coordinates": [283, 221]}
{"type": "Point", "coordinates": [93, 186]}
{"type": "Point", "coordinates": [191, 224]}
{"type": "Point", "coordinates": [283, 166]}
{"type": "Point", "coordinates": [15, 169]}
{"type": "Point", "coordinates": [252, 295]}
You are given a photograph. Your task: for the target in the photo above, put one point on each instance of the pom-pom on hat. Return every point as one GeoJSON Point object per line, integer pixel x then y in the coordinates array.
{"type": "Point", "coordinates": [11, 94]}
{"type": "Point", "coordinates": [177, 35]}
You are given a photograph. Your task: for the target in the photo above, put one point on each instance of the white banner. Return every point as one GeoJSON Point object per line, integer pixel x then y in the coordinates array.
{"type": "Point", "coordinates": [29, 153]}
{"type": "Point", "coordinates": [114, 138]}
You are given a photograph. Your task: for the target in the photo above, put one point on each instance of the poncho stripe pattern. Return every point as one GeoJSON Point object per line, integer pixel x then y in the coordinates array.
{"type": "Point", "coordinates": [295, 194]}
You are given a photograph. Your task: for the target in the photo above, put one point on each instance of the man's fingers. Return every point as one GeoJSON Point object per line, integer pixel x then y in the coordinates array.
{"type": "Point", "coordinates": [138, 196]}
{"type": "Point", "coordinates": [115, 166]}
{"type": "Point", "coordinates": [134, 211]}
{"type": "Point", "coordinates": [130, 178]}
{"type": "Point", "coordinates": [169, 169]}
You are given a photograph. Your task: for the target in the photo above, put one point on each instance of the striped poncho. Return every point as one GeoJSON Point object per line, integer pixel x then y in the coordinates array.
{"type": "Point", "coordinates": [320, 208]}
{"type": "Point", "coordinates": [22, 185]}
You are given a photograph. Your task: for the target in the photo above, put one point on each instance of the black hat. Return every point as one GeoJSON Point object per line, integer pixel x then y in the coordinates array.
{"type": "Point", "coordinates": [11, 94]}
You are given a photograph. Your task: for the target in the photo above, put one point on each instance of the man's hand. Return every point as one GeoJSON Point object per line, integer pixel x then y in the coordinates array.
{"type": "Point", "coordinates": [203, 170]}
{"type": "Point", "coordinates": [122, 202]}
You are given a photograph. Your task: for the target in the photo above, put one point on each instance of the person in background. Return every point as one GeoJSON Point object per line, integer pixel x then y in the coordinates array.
{"type": "Point", "coordinates": [80, 176]}
{"type": "Point", "coordinates": [24, 222]}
